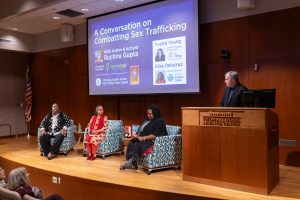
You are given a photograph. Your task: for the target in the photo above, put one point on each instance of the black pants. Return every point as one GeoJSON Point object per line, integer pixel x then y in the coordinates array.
{"type": "Point", "coordinates": [136, 148]}
{"type": "Point", "coordinates": [45, 141]}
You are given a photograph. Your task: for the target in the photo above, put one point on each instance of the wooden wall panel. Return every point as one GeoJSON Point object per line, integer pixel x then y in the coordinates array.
{"type": "Point", "coordinates": [132, 109]}
{"type": "Point", "coordinates": [40, 86]}
{"type": "Point", "coordinates": [78, 82]}
{"type": "Point", "coordinates": [231, 34]}
{"type": "Point", "coordinates": [270, 40]}
{"type": "Point", "coordinates": [274, 35]}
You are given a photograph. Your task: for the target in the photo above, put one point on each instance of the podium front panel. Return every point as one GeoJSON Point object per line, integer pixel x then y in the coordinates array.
{"type": "Point", "coordinates": [231, 147]}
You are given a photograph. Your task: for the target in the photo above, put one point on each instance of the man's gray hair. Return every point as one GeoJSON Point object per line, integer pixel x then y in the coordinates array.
{"type": "Point", "coordinates": [233, 74]}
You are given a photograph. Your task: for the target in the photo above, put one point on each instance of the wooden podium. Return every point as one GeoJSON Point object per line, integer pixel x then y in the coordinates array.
{"type": "Point", "coordinates": [235, 148]}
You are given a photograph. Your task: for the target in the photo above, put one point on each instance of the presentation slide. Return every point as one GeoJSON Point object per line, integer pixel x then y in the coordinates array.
{"type": "Point", "coordinates": [150, 49]}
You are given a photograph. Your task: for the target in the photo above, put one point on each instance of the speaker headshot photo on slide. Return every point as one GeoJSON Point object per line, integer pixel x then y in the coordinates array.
{"type": "Point", "coordinates": [160, 56]}
{"type": "Point", "coordinates": [160, 78]}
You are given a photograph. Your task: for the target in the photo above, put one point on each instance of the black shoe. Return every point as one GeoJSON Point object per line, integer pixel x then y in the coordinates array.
{"type": "Point", "coordinates": [135, 165]}
{"type": "Point", "coordinates": [128, 165]}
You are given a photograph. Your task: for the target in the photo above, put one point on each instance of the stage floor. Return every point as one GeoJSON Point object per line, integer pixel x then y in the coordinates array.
{"type": "Point", "coordinates": [24, 150]}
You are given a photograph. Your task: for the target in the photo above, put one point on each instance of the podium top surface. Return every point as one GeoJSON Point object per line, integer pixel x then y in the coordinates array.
{"type": "Point", "coordinates": [238, 117]}
{"type": "Point", "coordinates": [223, 108]}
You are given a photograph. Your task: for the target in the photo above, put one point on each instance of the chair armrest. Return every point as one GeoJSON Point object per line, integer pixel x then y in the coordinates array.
{"type": "Point", "coordinates": [160, 143]}
{"type": "Point", "coordinates": [71, 131]}
{"type": "Point", "coordinates": [38, 132]}
{"type": "Point", "coordinates": [86, 132]}
{"type": "Point", "coordinates": [173, 130]}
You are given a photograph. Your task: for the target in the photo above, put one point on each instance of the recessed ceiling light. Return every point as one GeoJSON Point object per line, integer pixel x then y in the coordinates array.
{"type": "Point", "coordinates": [84, 9]}
{"type": "Point", "coordinates": [14, 28]}
{"type": "Point", "coordinates": [56, 18]}
{"type": "Point", "coordinates": [119, 0]}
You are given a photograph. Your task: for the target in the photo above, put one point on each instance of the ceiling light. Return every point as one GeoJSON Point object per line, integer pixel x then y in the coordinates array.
{"type": "Point", "coordinates": [84, 9]}
{"type": "Point", "coordinates": [56, 18]}
{"type": "Point", "coordinates": [119, 0]}
{"type": "Point", "coordinates": [14, 28]}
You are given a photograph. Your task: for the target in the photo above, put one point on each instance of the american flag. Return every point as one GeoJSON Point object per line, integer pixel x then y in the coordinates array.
{"type": "Point", "coordinates": [28, 98]}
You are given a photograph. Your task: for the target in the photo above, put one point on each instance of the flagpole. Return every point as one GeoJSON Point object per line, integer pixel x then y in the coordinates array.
{"type": "Point", "coordinates": [28, 130]}
{"type": "Point", "coordinates": [27, 78]}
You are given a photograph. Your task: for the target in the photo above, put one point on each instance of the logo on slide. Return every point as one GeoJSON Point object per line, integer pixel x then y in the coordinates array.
{"type": "Point", "coordinates": [98, 82]}
{"type": "Point", "coordinates": [175, 56]}
{"type": "Point", "coordinates": [170, 77]}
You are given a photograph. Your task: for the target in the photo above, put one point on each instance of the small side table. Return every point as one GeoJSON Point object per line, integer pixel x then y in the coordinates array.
{"type": "Point", "coordinates": [126, 141]}
{"type": "Point", "coordinates": [78, 134]}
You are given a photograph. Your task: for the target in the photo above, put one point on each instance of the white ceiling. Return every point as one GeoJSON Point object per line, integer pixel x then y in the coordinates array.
{"type": "Point", "coordinates": [40, 19]}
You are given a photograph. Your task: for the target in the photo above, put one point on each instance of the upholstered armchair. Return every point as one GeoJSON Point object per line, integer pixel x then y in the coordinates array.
{"type": "Point", "coordinates": [167, 151]}
{"type": "Point", "coordinates": [68, 143]}
{"type": "Point", "coordinates": [6, 194]}
{"type": "Point", "coordinates": [113, 141]}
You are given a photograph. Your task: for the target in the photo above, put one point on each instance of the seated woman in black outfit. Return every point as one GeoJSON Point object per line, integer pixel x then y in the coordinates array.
{"type": "Point", "coordinates": [153, 127]}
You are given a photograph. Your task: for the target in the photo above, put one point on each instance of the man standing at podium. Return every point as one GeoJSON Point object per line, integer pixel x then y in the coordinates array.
{"type": "Point", "coordinates": [232, 92]}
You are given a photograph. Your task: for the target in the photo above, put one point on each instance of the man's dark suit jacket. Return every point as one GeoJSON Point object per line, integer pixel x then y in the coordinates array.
{"type": "Point", "coordinates": [235, 99]}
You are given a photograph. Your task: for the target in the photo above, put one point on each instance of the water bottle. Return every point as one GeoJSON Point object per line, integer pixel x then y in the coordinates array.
{"type": "Point", "coordinates": [79, 127]}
